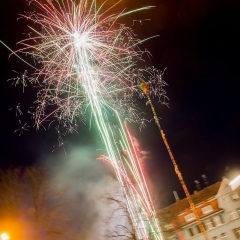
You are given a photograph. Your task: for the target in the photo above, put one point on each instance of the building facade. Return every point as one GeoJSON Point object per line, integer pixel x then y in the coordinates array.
{"type": "Point", "coordinates": [218, 207]}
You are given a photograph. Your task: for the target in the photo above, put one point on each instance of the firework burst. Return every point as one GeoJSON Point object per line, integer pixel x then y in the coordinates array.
{"type": "Point", "coordinates": [80, 50]}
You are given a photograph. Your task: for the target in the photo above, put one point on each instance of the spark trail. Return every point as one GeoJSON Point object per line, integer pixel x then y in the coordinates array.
{"type": "Point", "coordinates": [132, 180]}
{"type": "Point", "coordinates": [86, 61]}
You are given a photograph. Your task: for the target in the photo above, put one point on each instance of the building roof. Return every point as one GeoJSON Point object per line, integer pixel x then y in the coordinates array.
{"type": "Point", "coordinates": [172, 211]}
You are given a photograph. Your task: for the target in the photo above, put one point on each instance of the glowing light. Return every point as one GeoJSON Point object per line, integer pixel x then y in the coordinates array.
{"type": "Point", "coordinates": [4, 236]}
{"type": "Point", "coordinates": [80, 40]}
{"type": "Point", "coordinates": [235, 182]}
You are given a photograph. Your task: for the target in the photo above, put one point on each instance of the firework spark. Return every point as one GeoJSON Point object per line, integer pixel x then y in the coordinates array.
{"type": "Point", "coordinates": [87, 64]}
{"type": "Point", "coordinates": [133, 183]}
{"type": "Point", "coordinates": [81, 51]}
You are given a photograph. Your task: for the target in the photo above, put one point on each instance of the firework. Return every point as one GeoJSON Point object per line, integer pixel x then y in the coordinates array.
{"type": "Point", "coordinates": [81, 51]}
{"type": "Point", "coordinates": [86, 64]}
{"type": "Point", "coordinates": [131, 177]}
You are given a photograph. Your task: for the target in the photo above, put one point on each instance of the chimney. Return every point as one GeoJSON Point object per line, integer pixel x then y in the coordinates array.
{"type": "Point", "coordinates": [205, 180]}
{"type": "Point", "coordinates": [176, 196]}
{"type": "Point", "coordinates": [198, 186]}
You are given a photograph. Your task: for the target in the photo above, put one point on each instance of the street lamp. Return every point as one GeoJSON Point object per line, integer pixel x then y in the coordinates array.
{"type": "Point", "coordinates": [4, 236]}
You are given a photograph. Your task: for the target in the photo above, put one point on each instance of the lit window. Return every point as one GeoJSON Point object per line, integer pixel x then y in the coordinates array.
{"type": "Point", "coordinates": [189, 217]}
{"type": "Point", "coordinates": [223, 236]}
{"type": "Point", "coordinates": [234, 196]}
{"type": "Point", "coordinates": [217, 220]}
{"type": "Point", "coordinates": [209, 224]}
{"type": "Point", "coordinates": [207, 209]}
{"type": "Point", "coordinates": [233, 215]}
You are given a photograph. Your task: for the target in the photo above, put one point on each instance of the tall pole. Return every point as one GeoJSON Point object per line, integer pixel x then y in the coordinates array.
{"type": "Point", "coordinates": [145, 89]}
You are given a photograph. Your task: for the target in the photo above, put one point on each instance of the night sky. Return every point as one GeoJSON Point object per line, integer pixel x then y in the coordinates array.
{"type": "Point", "coordinates": [199, 44]}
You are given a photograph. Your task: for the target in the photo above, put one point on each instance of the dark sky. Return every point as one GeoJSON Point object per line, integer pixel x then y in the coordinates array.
{"type": "Point", "coordinates": [198, 43]}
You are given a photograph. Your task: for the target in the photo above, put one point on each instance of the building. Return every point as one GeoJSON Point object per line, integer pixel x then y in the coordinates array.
{"type": "Point", "coordinates": [218, 207]}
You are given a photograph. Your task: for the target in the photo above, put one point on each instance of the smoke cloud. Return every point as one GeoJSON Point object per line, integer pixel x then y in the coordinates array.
{"type": "Point", "coordinates": [89, 185]}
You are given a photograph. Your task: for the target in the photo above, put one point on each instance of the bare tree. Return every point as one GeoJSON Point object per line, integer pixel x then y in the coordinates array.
{"type": "Point", "coordinates": [10, 193]}
{"type": "Point", "coordinates": [120, 231]}
{"type": "Point", "coordinates": [10, 201]}
{"type": "Point", "coordinates": [123, 228]}
{"type": "Point", "coordinates": [29, 197]}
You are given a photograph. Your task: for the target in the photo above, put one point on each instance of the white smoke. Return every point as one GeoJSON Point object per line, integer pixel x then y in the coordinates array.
{"type": "Point", "coordinates": [93, 193]}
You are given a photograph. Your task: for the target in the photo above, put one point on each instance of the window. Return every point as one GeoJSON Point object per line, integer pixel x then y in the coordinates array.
{"type": "Point", "coordinates": [189, 217]}
{"type": "Point", "coordinates": [215, 238]}
{"type": "Point", "coordinates": [209, 224]}
{"type": "Point", "coordinates": [238, 210]}
{"type": "Point", "coordinates": [233, 215]}
{"type": "Point", "coordinates": [217, 220]}
{"type": "Point", "coordinates": [175, 237]}
{"type": "Point", "coordinates": [197, 229]}
{"type": "Point", "coordinates": [207, 209]}
{"type": "Point", "coordinates": [237, 232]}
{"type": "Point", "coordinates": [168, 226]}
{"type": "Point", "coordinates": [225, 200]}
{"type": "Point", "coordinates": [191, 232]}
{"type": "Point", "coordinates": [234, 196]}
{"type": "Point", "coordinates": [223, 236]}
